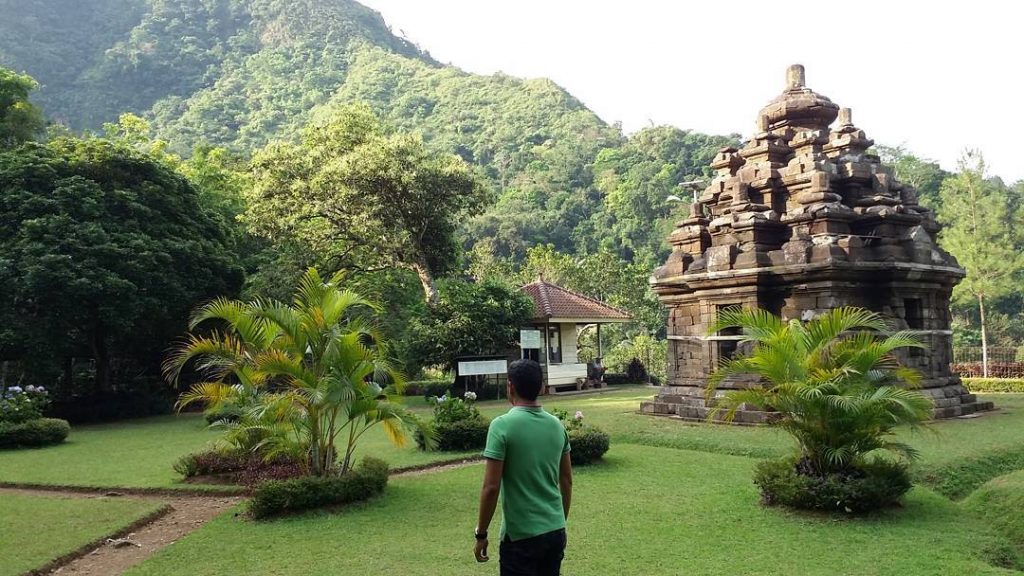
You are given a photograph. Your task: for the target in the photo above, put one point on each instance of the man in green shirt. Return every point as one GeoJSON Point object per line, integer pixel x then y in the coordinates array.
{"type": "Point", "coordinates": [527, 458]}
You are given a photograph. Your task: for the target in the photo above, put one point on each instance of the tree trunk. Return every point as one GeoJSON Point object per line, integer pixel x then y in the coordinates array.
{"type": "Point", "coordinates": [427, 280]}
{"type": "Point", "coordinates": [984, 338]}
{"type": "Point", "coordinates": [101, 357]}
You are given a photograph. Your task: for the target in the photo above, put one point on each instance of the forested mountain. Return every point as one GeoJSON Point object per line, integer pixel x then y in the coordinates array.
{"type": "Point", "coordinates": [239, 73]}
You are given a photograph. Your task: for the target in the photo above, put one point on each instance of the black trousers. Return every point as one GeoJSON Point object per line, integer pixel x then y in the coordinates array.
{"type": "Point", "coordinates": [537, 556]}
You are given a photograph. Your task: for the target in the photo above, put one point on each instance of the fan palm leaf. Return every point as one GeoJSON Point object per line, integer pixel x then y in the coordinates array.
{"type": "Point", "coordinates": [835, 382]}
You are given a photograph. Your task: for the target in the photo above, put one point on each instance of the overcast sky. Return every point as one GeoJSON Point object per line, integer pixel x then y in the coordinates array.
{"type": "Point", "coordinates": [934, 77]}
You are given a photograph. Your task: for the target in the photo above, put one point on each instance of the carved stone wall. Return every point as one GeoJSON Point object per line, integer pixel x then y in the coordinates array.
{"type": "Point", "coordinates": [800, 220]}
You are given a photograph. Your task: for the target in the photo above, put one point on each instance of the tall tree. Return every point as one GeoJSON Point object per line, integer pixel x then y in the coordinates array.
{"type": "Point", "coordinates": [369, 199]}
{"type": "Point", "coordinates": [20, 121]}
{"type": "Point", "coordinates": [924, 175]}
{"type": "Point", "coordinates": [976, 213]}
{"type": "Point", "coordinates": [105, 251]}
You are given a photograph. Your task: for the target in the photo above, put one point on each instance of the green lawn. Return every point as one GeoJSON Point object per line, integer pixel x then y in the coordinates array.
{"type": "Point", "coordinates": [140, 454]}
{"type": "Point", "coordinates": [645, 511]}
{"type": "Point", "coordinates": [672, 498]}
{"type": "Point", "coordinates": [37, 529]}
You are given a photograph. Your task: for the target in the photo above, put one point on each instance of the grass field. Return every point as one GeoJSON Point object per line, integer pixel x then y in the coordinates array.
{"type": "Point", "coordinates": [644, 511]}
{"type": "Point", "coordinates": [672, 498]}
{"type": "Point", "coordinates": [37, 529]}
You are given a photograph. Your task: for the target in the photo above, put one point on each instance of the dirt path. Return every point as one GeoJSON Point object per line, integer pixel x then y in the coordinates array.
{"type": "Point", "coordinates": [181, 514]}
{"type": "Point", "coordinates": [117, 553]}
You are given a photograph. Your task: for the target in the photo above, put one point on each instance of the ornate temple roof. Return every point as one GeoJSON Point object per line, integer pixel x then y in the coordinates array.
{"type": "Point", "coordinates": [803, 190]}
{"type": "Point", "coordinates": [552, 302]}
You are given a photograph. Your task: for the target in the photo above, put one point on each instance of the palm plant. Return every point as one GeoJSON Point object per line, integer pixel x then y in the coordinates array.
{"type": "Point", "coordinates": [312, 376]}
{"type": "Point", "coordinates": [833, 382]}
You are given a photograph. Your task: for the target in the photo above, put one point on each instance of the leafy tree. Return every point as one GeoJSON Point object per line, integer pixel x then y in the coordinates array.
{"type": "Point", "coordinates": [20, 121]}
{"type": "Point", "coordinates": [104, 252]}
{"type": "Point", "coordinates": [368, 199]}
{"type": "Point", "coordinates": [977, 218]}
{"type": "Point", "coordinates": [924, 175]}
{"type": "Point", "coordinates": [469, 318]}
{"type": "Point", "coordinates": [833, 381]}
{"type": "Point", "coordinates": [312, 376]}
{"type": "Point", "coordinates": [636, 181]}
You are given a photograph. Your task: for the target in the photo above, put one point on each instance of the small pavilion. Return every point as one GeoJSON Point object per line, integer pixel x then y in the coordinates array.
{"type": "Point", "coordinates": [560, 315]}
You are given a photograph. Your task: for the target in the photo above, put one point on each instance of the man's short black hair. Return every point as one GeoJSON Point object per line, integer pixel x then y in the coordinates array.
{"type": "Point", "coordinates": [527, 378]}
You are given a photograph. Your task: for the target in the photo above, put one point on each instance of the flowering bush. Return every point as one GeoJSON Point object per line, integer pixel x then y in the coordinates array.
{"type": "Point", "coordinates": [453, 409]}
{"type": "Point", "coordinates": [589, 443]}
{"type": "Point", "coordinates": [18, 405]}
{"type": "Point", "coordinates": [458, 424]}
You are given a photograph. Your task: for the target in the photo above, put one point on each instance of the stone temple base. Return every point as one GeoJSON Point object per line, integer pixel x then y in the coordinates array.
{"type": "Point", "coordinates": [688, 403]}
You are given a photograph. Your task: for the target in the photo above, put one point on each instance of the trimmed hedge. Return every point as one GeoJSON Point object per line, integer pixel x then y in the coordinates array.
{"type": "Point", "coordinates": [995, 369]}
{"type": "Point", "coordinates": [426, 388]}
{"type": "Point", "coordinates": [462, 435]}
{"type": "Point", "coordinates": [874, 485]}
{"type": "Point", "coordinates": [277, 497]}
{"type": "Point", "coordinates": [438, 388]}
{"type": "Point", "coordinates": [620, 379]}
{"type": "Point", "coordinates": [983, 385]}
{"type": "Point", "coordinates": [34, 433]}
{"type": "Point", "coordinates": [588, 444]}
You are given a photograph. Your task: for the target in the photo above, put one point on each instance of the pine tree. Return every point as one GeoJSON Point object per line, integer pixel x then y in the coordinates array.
{"type": "Point", "coordinates": [976, 212]}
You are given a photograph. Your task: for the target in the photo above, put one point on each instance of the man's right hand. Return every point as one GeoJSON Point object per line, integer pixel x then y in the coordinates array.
{"type": "Point", "coordinates": [480, 551]}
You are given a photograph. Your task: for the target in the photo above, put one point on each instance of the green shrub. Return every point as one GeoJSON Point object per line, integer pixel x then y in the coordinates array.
{"type": "Point", "coordinates": [870, 486]}
{"type": "Point", "coordinates": [277, 497]}
{"type": "Point", "coordinates": [38, 432]}
{"type": "Point", "coordinates": [458, 436]}
{"type": "Point", "coordinates": [994, 385]}
{"type": "Point", "coordinates": [18, 405]}
{"type": "Point", "coordinates": [457, 425]}
{"type": "Point", "coordinates": [426, 388]}
{"type": "Point", "coordinates": [589, 443]}
{"type": "Point", "coordinates": [619, 379]}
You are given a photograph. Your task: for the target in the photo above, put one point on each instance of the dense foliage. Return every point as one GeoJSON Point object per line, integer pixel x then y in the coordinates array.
{"type": "Point", "coordinates": [363, 198]}
{"type": "Point", "coordinates": [837, 389]}
{"type": "Point", "coordinates": [19, 404]}
{"type": "Point", "coordinates": [872, 485]}
{"type": "Point", "coordinates": [277, 497]}
{"type": "Point", "coordinates": [980, 217]}
{"type": "Point", "coordinates": [469, 318]}
{"type": "Point", "coordinates": [310, 377]}
{"type": "Point", "coordinates": [104, 252]}
{"type": "Point", "coordinates": [20, 120]}
{"type": "Point", "coordinates": [33, 433]}
{"type": "Point", "coordinates": [457, 425]}
{"type": "Point", "coordinates": [587, 442]}
{"type": "Point", "coordinates": [833, 381]}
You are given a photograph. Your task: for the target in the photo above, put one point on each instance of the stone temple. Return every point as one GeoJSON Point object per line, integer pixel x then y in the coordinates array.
{"type": "Point", "coordinates": [801, 219]}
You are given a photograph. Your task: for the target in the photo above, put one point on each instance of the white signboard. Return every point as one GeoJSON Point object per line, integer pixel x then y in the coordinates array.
{"type": "Point", "coordinates": [529, 339]}
{"type": "Point", "coordinates": [483, 367]}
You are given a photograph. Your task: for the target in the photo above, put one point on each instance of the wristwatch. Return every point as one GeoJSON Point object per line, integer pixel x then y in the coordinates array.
{"type": "Point", "coordinates": [480, 535]}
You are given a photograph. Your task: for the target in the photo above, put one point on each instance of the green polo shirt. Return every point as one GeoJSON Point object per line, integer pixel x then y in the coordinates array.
{"type": "Point", "coordinates": [530, 442]}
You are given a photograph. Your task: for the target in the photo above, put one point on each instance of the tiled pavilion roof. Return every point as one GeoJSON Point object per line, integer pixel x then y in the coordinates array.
{"type": "Point", "coordinates": [553, 301]}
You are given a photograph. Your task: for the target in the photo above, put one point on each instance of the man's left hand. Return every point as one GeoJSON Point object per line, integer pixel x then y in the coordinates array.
{"type": "Point", "coordinates": [480, 551]}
